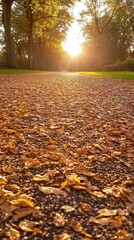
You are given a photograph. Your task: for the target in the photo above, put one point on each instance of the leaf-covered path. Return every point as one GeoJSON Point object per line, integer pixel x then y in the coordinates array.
{"type": "Point", "coordinates": [66, 157]}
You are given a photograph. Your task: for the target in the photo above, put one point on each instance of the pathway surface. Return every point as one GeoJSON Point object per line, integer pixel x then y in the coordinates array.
{"type": "Point", "coordinates": [66, 157]}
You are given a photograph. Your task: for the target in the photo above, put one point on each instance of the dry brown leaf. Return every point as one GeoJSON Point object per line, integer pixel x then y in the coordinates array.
{"type": "Point", "coordinates": [7, 208]}
{"type": "Point", "coordinates": [75, 224]}
{"type": "Point", "coordinates": [13, 234]}
{"type": "Point", "coordinates": [3, 180]}
{"type": "Point", "coordinates": [130, 207]}
{"type": "Point", "coordinates": [123, 235]}
{"type": "Point", "coordinates": [122, 212]}
{"type": "Point", "coordinates": [10, 131]}
{"type": "Point", "coordinates": [28, 226]}
{"type": "Point", "coordinates": [85, 207]}
{"type": "Point", "coordinates": [32, 163]}
{"type": "Point", "coordinates": [104, 212]}
{"type": "Point", "coordinates": [113, 222]}
{"type": "Point", "coordinates": [59, 220]}
{"type": "Point", "coordinates": [14, 176]}
{"type": "Point", "coordinates": [68, 208]}
{"type": "Point", "coordinates": [22, 212]}
{"type": "Point", "coordinates": [81, 169]}
{"type": "Point", "coordinates": [52, 190]}
{"type": "Point", "coordinates": [64, 236]}
{"type": "Point", "coordinates": [79, 187]}
{"type": "Point", "coordinates": [101, 221]}
{"type": "Point", "coordinates": [99, 194]}
{"type": "Point", "coordinates": [59, 131]}
{"type": "Point", "coordinates": [7, 169]}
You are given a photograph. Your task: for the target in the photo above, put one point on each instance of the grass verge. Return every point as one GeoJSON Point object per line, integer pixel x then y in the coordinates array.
{"type": "Point", "coordinates": [117, 75]}
{"type": "Point", "coordinates": [16, 71]}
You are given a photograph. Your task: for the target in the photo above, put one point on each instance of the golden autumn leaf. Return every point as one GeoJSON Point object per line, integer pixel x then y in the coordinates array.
{"type": "Point", "coordinates": [3, 180]}
{"type": "Point", "coordinates": [64, 184]}
{"type": "Point", "coordinates": [85, 207]}
{"type": "Point", "coordinates": [26, 115]}
{"type": "Point", "coordinates": [68, 208]}
{"type": "Point", "coordinates": [32, 163]}
{"type": "Point", "coordinates": [99, 194]}
{"type": "Point", "coordinates": [10, 131]}
{"type": "Point", "coordinates": [22, 202]}
{"type": "Point", "coordinates": [13, 234]}
{"type": "Point", "coordinates": [104, 212]}
{"type": "Point", "coordinates": [113, 222]}
{"type": "Point", "coordinates": [7, 169]}
{"type": "Point", "coordinates": [75, 224]}
{"type": "Point", "coordinates": [28, 226]}
{"type": "Point", "coordinates": [123, 235]}
{"type": "Point", "coordinates": [52, 190]}
{"type": "Point", "coordinates": [64, 236]}
{"type": "Point", "coordinates": [39, 178]}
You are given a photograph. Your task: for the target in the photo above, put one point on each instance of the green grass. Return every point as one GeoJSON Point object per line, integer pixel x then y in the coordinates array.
{"type": "Point", "coordinates": [117, 75]}
{"type": "Point", "coordinates": [16, 71]}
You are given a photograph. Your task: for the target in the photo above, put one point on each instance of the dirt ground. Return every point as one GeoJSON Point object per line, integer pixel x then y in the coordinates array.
{"type": "Point", "coordinates": [66, 157]}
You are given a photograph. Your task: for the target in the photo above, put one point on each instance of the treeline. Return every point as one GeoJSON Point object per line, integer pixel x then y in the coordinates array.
{"type": "Point", "coordinates": [32, 32]}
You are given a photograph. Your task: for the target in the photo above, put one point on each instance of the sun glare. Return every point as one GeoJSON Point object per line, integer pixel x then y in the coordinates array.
{"type": "Point", "coordinates": [74, 39]}
{"type": "Point", "coordinates": [72, 46]}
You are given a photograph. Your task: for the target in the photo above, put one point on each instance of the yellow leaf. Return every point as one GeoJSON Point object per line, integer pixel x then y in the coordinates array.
{"type": "Point", "coordinates": [26, 115]}
{"type": "Point", "coordinates": [39, 178]}
{"type": "Point", "coordinates": [22, 202]}
{"type": "Point", "coordinates": [64, 184]}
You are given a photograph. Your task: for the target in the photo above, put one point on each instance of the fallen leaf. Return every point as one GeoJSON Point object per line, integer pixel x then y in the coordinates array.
{"type": "Point", "coordinates": [98, 194]}
{"type": "Point", "coordinates": [39, 178]}
{"type": "Point", "coordinates": [22, 202]}
{"type": "Point", "coordinates": [52, 190]}
{"type": "Point", "coordinates": [85, 207]}
{"type": "Point", "coordinates": [113, 222]}
{"type": "Point", "coordinates": [13, 234]}
{"type": "Point", "coordinates": [28, 226]}
{"type": "Point", "coordinates": [10, 131]}
{"type": "Point", "coordinates": [59, 220]}
{"type": "Point", "coordinates": [25, 115]}
{"type": "Point", "coordinates": [101, 221]}
{"type": "Point", "coordinates": [68, 208]}
{"type": "Point", "coordinates": [75, 224]}
{"type": "Point", "coordinates": [32, 163]}
{"type": "Point", "coordinates": [64, 236]}
{"type": "Point", "coordinates": [123, 235]}
{"type": "Point", "coordinates": [104, 212]}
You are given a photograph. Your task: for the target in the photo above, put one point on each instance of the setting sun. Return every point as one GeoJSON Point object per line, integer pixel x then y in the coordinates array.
{"type": "Point", "coordinates": [72, 46]}
{"type": "Point", "coordinates": [73, 42]}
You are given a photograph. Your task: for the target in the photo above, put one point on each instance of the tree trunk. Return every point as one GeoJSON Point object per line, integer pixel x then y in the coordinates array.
{"type": "Point", "coordinates": [6, 8]}
{"type": "Point", "coordinates": [31, 57]}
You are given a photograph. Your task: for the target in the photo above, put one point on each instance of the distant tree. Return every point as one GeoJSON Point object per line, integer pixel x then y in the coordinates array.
{"type": "Point", "coordinates": [44, 24]}
{"type": "Point", "coordinates": [107, 29]}
{"type": "Point", "coordinates": [6, 12]}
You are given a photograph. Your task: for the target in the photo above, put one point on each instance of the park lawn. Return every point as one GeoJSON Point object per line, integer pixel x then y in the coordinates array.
{"type": "Point", "coordinates": [16, 71]}
{"type": "Point", "coordinates": [117, 75]}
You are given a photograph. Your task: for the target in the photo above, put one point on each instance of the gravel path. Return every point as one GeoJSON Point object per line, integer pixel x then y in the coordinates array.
{"type": "Point", "coordinates": [66, 157]}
